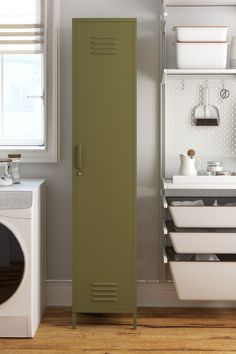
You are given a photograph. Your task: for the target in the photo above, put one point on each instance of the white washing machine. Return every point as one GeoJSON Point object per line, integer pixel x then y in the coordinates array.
{"type": "Point", "coordinates": [22, 258]}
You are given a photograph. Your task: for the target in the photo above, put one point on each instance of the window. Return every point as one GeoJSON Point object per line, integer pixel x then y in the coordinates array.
{"type": "Point", "coordinates": [28, 78]}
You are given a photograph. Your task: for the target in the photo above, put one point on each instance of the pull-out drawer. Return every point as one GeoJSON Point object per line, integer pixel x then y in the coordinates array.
{"type": "Point", "coordinates": [203, 280]}
{"type": "Point", "coordinates": [216, 213]}
{"type": "Point", "coordinates": [201, 240]}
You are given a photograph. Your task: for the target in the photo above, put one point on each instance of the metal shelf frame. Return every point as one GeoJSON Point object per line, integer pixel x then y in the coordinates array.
{"type": "Point", "coordinates": [172, 73]}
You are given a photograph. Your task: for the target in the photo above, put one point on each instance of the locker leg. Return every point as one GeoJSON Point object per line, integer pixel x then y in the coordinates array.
{"type": "Point", "coordinates": [74, 320]}
{"type": "Point", "coordinates": [134, 320]}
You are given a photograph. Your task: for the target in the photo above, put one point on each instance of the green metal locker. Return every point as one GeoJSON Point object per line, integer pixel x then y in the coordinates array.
{"type": "Point", "coordinates": [104, 166]}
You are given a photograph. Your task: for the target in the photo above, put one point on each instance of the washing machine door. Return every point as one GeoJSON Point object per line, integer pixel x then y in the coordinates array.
{"type": "Point", "coordinates": [12, 264]}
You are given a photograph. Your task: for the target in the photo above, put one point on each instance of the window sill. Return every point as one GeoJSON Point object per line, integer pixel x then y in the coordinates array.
{"type": "Point", "coordinates": [22, 148]}
{"type": "Point", "coordinates": [32, 153]}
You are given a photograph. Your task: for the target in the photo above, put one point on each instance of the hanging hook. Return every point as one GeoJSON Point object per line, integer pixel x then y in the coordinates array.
{"type": "Point", "coordinates": [206, 83]}
{"type": "Point", "coordinates": [224, 93]}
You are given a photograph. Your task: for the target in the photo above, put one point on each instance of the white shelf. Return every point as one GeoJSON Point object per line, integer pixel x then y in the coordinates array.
{"type": "Point", "coordinates": [204, 180]}
{"type": "Point", "coordinates": [168, 184]}
{"type": "Point", "coordinates": [199, 2]}
{"type": "Point", "coordinates": [200, 71]}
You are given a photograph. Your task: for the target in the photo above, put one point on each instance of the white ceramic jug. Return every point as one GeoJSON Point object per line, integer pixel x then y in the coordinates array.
{"type": "Point", "coordinates": [188, 165]}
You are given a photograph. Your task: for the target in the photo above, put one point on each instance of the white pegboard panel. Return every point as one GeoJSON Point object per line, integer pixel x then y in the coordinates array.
{"type": "Point", "coordinates": [181, 97]}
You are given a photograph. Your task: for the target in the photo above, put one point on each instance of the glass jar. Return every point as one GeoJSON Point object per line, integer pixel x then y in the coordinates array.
{"type": "Point", "coordinates": [214, 166]}
{"type": "Point", "coordinates": [15, 169]}
{"type": "Point", "coordinates": [5, 179]}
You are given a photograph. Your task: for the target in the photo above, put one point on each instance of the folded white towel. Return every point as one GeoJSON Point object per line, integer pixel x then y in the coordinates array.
{"type": "Point", "coordinates": [196, 257]}
{"type": "Point", "coordinates": [5, 182]}
{"type": "Point", "coordinates": [188, 203]}
{"type": "Point", "coordinates": [183, 257]}
{"type": "Point", "coordinates": [206, 257]}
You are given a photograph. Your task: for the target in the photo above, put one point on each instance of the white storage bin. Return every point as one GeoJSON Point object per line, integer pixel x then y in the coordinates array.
{"type": "Point", "coordinates": [200, 240]}
{"type": "Point", "coordinates": [201, 55]}
{"type": "Point", "coordinates": [211, 281]}
{"type": "Point", "coordinates": [204, 216]}
{"type": "Point", "coordinates": [201, 33]}
{"type": "Point", "coordinates": [207, 215]}
{"type": "Point", "coordinates": [203, 242]}
{"type": "Point", "coordinates": [203, 280]}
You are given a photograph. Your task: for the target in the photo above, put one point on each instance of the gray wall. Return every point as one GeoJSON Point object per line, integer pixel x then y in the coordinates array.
{"type": "Point", "coordinates": [59, 175]}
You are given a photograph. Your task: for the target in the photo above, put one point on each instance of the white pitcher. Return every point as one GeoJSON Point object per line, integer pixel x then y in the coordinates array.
{"type": "Point", "coordinates": [189, 165]}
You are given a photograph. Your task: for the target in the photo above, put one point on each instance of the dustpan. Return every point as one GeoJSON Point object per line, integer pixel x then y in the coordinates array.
{"type": "Point", "coordinates": [206, 114]}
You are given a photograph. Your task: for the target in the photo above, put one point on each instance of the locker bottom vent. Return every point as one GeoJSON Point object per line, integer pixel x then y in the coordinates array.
{"type": "Point", "coordinates": [104, 292]}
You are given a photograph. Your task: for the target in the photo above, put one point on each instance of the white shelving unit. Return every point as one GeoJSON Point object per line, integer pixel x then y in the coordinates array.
{"type": "Point", "coordinates": [186, 75]}
{"type": "Point", "coordinates": [166, 5]}
{"type": "Point", "coordinates": [197, 278]}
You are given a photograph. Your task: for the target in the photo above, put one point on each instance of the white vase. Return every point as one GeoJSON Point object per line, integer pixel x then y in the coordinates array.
{"type": "Point", "coordinates": [188, 165]}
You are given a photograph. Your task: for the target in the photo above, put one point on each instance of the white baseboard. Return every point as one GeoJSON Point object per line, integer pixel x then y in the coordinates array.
{"type": "Point", "coordinates": [149, 294]}
{"type": "Point", "coordinates": [164, 295]}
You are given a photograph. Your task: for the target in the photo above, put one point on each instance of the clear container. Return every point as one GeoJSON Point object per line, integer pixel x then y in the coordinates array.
{"type": "Point", "coordinates": [204, 173]}
{"type": "Point", "coordinates": [214, 166]}
{"type": "Point", "coordinates": [223, 173]}
{"type": "Point", "coordinates": [5, 179]}
{"type": "Point", "coordinates": [15, 168]}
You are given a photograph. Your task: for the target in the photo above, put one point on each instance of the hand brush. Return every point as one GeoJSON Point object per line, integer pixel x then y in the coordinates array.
{"type": "Point", "coordinates": [206, 114]}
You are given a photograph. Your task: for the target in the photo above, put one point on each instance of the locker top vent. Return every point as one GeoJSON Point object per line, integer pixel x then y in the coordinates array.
{"type": "Point", "coordinates": [104, 45]}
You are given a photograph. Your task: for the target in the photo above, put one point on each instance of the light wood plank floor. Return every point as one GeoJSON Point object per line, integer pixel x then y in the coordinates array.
{"type": "Point", "coordinates": [161, 331]}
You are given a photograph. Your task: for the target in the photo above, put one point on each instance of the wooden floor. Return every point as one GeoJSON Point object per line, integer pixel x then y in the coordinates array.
{"type": "Point", "coordinates": [169, 331]}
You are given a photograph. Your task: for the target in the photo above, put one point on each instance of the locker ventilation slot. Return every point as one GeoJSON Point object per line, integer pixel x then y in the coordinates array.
{"type": "Point", "coordinates": [104, 292]}
{"type": "Point", "coordinates": [104, 45]}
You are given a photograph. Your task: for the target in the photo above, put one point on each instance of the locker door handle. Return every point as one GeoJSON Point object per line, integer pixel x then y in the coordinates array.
{"type": "Point", "coordinates": [79, 159]}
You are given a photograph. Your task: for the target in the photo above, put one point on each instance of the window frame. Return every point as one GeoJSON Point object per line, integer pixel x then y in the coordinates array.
{"type": "Point", "coordinates": [50, 151]}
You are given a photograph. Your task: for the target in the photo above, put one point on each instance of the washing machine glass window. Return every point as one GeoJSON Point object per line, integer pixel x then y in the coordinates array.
{"type": "Point", "coordinates": [11, 264]}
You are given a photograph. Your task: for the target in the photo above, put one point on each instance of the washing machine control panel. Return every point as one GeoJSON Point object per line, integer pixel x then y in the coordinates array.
{"type": "Point", "coordinates": [15, 200]}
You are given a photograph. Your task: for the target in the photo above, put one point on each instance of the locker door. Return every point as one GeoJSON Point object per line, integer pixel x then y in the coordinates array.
{"type": "Point", "coordinates": [104, 165]}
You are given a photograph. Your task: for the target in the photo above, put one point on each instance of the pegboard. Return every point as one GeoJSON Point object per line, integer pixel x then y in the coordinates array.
{"type": "Point", "coordinates": [181, 97]}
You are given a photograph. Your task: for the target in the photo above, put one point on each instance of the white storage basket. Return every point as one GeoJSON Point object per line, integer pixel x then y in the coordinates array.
{"type": "Point", "coordinates": [204, 216]}
{"type": "Point", "coordinates": [203, 242]}
{"type": "Point", "coordinates": [202, 280]}
{"type": "Point", "coordinates": [201, 55]}
{"type": "Point", "coordinates": [211, 281]}
{"type": "Point", "coordinates": [201, 33]}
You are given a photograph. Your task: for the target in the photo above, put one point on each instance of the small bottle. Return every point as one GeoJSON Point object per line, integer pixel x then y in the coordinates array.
{"type": "Point", "coordinates": [15, 169]}
{"type": "Point", "coordinates": [5, 178]}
